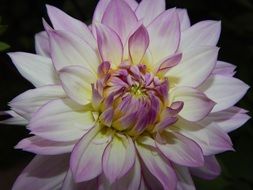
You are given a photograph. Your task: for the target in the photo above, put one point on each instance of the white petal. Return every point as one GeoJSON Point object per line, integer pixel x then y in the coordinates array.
{"type": "Point", "coordinates": [61, 120]}
{"type": "Point", "coordinates": [147, 10]}
{"type": "Point", "coordinates": [37, 69]}
{"type": "Point", "coordinates": [225, 91]}
{"type": "Point", "coordinates": [196, 104]}
{"type": "Point", "coordinates": [195, 67]}
{"type": "Point", "coordinates": [43, 173]}
{"type": "Point", "coordinates": [30, 101]}
{"type": "Point", "coordinates": [223, 68]}
{"type": "Point", "coordinates": [62, 21]}
{"type": "Point", "coordinates": [15, 119]}
{"type": "Point", "coordinates": [205, 33]}
{"type": "Point", "coordinates": [184, 19]}
{"type": "Point", "coordinates": [42, 44]}
{"type": "Point", "coordinates": [76, 82]}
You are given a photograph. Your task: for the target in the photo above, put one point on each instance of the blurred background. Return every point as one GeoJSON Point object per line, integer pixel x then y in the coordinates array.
{"type": "Point", "coordinates": [20, 20]}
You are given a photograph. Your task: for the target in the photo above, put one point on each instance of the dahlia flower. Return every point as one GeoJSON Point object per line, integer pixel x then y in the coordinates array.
{"type": "Point", "coordinates": [136, 100]}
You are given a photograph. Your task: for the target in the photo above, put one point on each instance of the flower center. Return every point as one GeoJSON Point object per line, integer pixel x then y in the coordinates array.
{"type": "Point", "coordinates": [132, 100]}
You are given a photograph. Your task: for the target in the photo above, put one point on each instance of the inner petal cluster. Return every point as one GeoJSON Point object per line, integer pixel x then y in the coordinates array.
{"type": "Point", "coordinates": [132, 100]}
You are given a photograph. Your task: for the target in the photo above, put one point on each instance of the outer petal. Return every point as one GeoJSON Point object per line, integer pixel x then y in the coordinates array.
{"type": "Point", "coordinates": [204, 136]}
{"type": "Point", "coordinates": [184, 19]}
{"type": "Point", "coordinates": [62, 21]}
{"type": "Point", "coordinates": [43, 173]}
{"type": "Point", "coordinates": [185, 181]}
{"type": "Point", "coordinates": [29, 64]}
{"type": "Point", "coordinates": [223, 68]}
{"type": "Point", "coordinates": [147, 10]}
{"type": "Point", "coordinates": [76, 81]}
{"type": "Point", "coordinates": [157, 166]}
{"type": "Point", "coordinates": [42, 146]}
{"type": "Point", "coordinates": [86, 158]}
{"type": "Point", "coordinates": [225, 91]}
{"type": "Point", "coordinates": [15, 119]}
{"type": "Point", "coordinates": [61, 120]}
{"type": "Point", "coordinates": [118, 158]}
{"type": "Point", "coordinates": [196, 65]}
{"type": "Point", "coordinates": [229, 119]}
{"type": "Point", "coordinates": [121, 18]}
{"type": "Point", "coordinates": [42, 44]}
{"type": "Point", "coordinates": [209, 171]}
{"type": "Point", "coordinates": [109, 45]}
{"type": "Point", "coordinates": [196, 104]}
{"type": "Point", "coordinates": [164, 33]}
{"type": "Point", "coordinates": [70, 184]}
{"type": "Point", "coordinates": [138, 44]}
{"type": "Point", "coordinates": [205, 33]}
{"type": "Point", "coordinates": [181, 150]}
{"type": "Point", "coordinates": [67, 49]}
{"type": "Point", "coordinates": [30, 101]}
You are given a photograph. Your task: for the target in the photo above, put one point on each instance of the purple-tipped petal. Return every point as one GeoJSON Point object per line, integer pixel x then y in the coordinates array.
{"type": "Point", "coordinates": [168, 63]}
{"type": "Point", "coordinates": [43, 173]}
{"type": "Point", "coordinates": [138, 44]}
{"type": "Point", "coordinates": [61, 120]}
{"type": "Point", "coordinates": [28, 66]}
{"type": "Point", "coordinates": [147, 10]}
{"type": "Point", "coordinates": [109, 45]}
{"type": "Point", "coordinates": [68, 49]}
{"type": "Point", "coordinates": [164, 34]}
{"type": "Point", "coordinates": [121, 18]}
{"type": "Point", "coordinates": [42, 146]}
{"type": "Point", "coordinates": [86, 158]}
{"type": "Point", "coordinates": [205, 33]}
{"type": "Point", "coordinates": [27, 103]}
{"type": "Point", "coordinates": [107, 116]}
{"type": "Point", "coordinates": [42, 44]}
{"type": "Point", "coordinates": [76, 81]}
{"type": "Point", "coordinates": [157, 166]}
{"type": "Point", "coordinates": [62, 21]}
{"type": "Point", "coordinates": [209, 171]}
{"type": "Point", "coordinates": [184, 19]}
{"type": "Point", "coordinates": [196, 104]}
{"type": "Point", "coordinates": [181, 150]}
{"type": "Point", "coordinates": [195, 67]}
{"type": "Point", "coordinates": [223, 68]}
{"type": "Point", "coordinates": [225, 91]}
{"type": "Point", "coordinates": [118, 158]}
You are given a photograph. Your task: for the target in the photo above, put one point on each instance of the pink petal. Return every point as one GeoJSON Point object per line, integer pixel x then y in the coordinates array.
{"type": "Point", "coordinates": [223, 68]}
{"type": "Point", "coordinates": [181, 150]}
{"type": "Point", "coordinates": [196, 104]}
{"type": "Point", "coordinates": [185, 181]}
{"type": "Point", "coordinates": [68, 49]}
{"type": "Point", "coordinates": [62, 21]}
{"type": "Point", "coordinates": [195, 67]}
{"type": "Point", "coordinates": [157, 166]}
{"type": "Point", "coordinates": [30, 101]}
{"type": "Point", "coordinates": [86, 158]}
{"type": "Point", "coordinates": [225, 91]}
{"type": "Point", "coordinates": [147, 10]}
{"type": "Point", "coordinates": [169, 63]}
{"type": "Point", "coordinates": [29, 64]}
{"type": "Point", "coordinates": [61, 120]}
{"type": "Point", "coordinates": [76, 81]}
{"type": "Point", "coordinates": [205, 33]}
{"type": "Point", "coordinates": [229, 119]}
{"type": "Point", "coordinates": [204, 136]}
{"type": "Point", "coordinates": [109, 45]}
{"type": "Point", "coordinates": [164, 33]}
{"type": "Point", "coordinates": [42, 146]}
{"type": "Point", "coordinates": [121, 18]}
{"type": "Point", "coordinates": [184, 19]}
{"type": "Point", "coordinates": [70, 184]}
{"type": "Point", "coordinates": [209, 171]}
{"type": "Point", "coordinates": [43, 173]}
{"type": "Point", "coordinates": [118, 158]}
{"type": "Point", "coordinates": [42, 44]}
{"type": "Point", "coordinates": [138, 44]}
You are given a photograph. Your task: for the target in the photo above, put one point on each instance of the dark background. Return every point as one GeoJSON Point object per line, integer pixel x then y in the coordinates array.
{"type": "Point", "coordinates": [24, 20]}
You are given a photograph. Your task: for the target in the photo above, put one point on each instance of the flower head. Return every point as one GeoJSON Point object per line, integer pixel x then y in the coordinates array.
{"type": "Point", "coordinates": [136, 100]}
